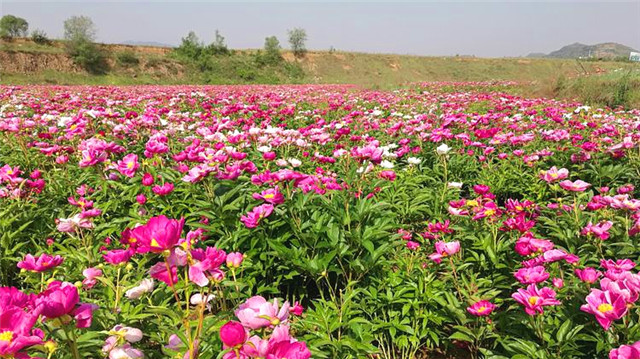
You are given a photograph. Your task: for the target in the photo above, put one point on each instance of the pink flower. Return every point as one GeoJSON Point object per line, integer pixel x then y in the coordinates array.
{"type": "Point", "coordinates": [411, 245]}
{"type": "Point", "coordinates": [90, 275]}
{"type": "Point", "coordinates": [233, 334]}
{"type": "Point", "coordinates": [289, 350]}
{"type": "Point", "coordinates": [128, 165]}
{"type": "Point", "coordinates": [600, 230]}
{"type": "Point", "coordinates": [481, 309]}
{"type": "Point", "coordinates": [158, 235]}
{"type": "Point", "coordinates": [577, 186]}
{"type": "Point", "coordinates": [528, 245]}
{"type": "Point", "coordinates": [588, 275]}
{"type": "Point", "coordinates": [554, 174]}
{"type": "Point", "coordinates": [163, 190]}
{"type": "Point", "coordinates": [59, 299]}
{"type": "Point", "coordinates": [253, 218]}
{"type": "Point", "coordinates": [141, 199]}
{"type": "Point", "coordinates": [117, 256]}
{"type": "Point", "coordinates": [531, 275]}
{"type": "Point", "coordinates": [388, 175]}
{"type": "Point", "coordinates": [606, 306]}
{"type": "Point", "coordinates": [534, 299]}
{"type": "Point", "coordinates": [558, 282]}
{"type": "Point", "coordinates": [234, 260]}
{"type": "Point", "coordinates": [147, 179]}
{"type": "Point", "coordinates": [40, 264]}
{"type": "Point", "coordinates": [83, 315]}
{"type": "Point", "coordinates": [257, 313]}
{"type": "Point", "coordinates": [271, 195]}
{"type": "Point", "coordinates": [626, 352]}
{"type": "Point", "coordinates": [444, 249]}
{"type": "Point", "coordinates": [297, 309]}
{"type": "Point", "coordinates": [16, 332]}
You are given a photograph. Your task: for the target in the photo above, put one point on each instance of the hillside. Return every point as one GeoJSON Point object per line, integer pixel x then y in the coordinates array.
{"type": "Point", "coordinates": [607, 50]}
{"type": "Point", "coordinates": [22, 61]}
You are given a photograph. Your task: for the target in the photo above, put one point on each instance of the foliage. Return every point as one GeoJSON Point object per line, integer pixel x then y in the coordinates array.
{"type": "Point", "coordinates": [12, 26]}
{"type": "Point", "coordinates": [297, 41]}
{"type": "Point", "coordinates": [127, 59]}
{"type": "Point", "coordinates": [40, 37]}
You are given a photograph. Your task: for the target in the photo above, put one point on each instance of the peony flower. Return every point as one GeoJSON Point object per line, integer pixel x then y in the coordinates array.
{"type": "Point", "coordinates": [145, 286]}
{"type": "Point", "coordinates": [531, 275]}
{"type": "Point", "coordinates": [58, 299]}
{"type": "Point", "coordinates": [588, 275]}
{"type": "Point", "coordinates": [253, 218]}
{"type": "Point", "coordinates": [481, 309]}
{"type": "Point", "coordinates": [128, 165]}
{"type": "Point", "coordinates": [233, 334]}
{"type": "Point", "coordinates": [626, 352]}
{"type": "Point", "coordinates": [577, 186]}
{"type": "Point", "coordinates": [443, 149]}
{"type": "Point", "coordinates": [42, 263]}
{"type": "Point", "coordinates": [554, 174]}
{"type": "Point", "coordinates": [271, 195]}
{"type": "Point", "coordinates": [157, 235]}
{"type": "Point", "coordinates": [606, 306]}
{"type": "Point", "coordinates": [256, 313]}
{"type": "Point", "coordinates": [534, 299]}
{"type": "Point", "coordinates": [234, 260]}
{"type": "Point", "coordinates": [118, 256]}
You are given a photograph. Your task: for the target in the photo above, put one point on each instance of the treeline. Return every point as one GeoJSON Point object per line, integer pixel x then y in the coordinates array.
{"type": "Point", "coordinates": [80, 34]}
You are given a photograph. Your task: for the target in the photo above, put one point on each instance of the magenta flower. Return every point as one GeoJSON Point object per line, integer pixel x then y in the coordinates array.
{"type": "Point", "coordinates": [58, 299]}
{"type": "Point", "coordinates": [40, 264]}
{"type": "Point", "coordinates": [531, 275]}
{"type": "Point", "coordinates": [534, 299]}
{"type": "Point", "coordinates": [600, 230]}
{"type": "Point", "coordinates": [626, 352]}
{"type": "Point", "coordinates": [206, 263]}
{"type": "Point", "coordinates": [588, 275]}
{"type": "Point", "coordinates": [606, 306]}
{"type": "Point", "coordinates": [16, 332]}
{"type": "Point", "coordinates": [147, 179]}
{"type": "Point", "coordinates": [118, 256]}
{"type": "Point", "coordinates": [481, 309]}
{"type": "Point", "coordinates": [271, 195]}
{"type": "Point", "coordinates": [233, 335]}
{"type": "Point", "coordinates": [128, 165]}
{"type": "Point", "coordinates": [159, 234]}
{"type": "Point", "coordinates": [253, 218]}
{"type": "Point", "coordinates": [163, 190]}
{"type": "Point", "coordinates": [90, 275]}
{"type": "Point", "coordinates": [577, 186]}
{"type": "Point", "coordinates": [83, 315]}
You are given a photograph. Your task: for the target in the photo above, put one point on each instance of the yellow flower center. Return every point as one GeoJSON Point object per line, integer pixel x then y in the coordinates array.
{"type": "Point", "coordinates": [554, 175]}
{"type": "Point", "coordinates": [9, 172]}
{"type": "Point", "coordinates": [472, 203]}
{"type": "Point", "coordinates": [154, 243]}
{"type": "Point", "coordinates": [73, 127]}
{"type": "Point", "coordinates": [490, 212]}
{"type": "Point", "coordinates": [605, 308]}
{"type": "Point", "coordinates": [6, 336]}
{"type": "Point", "coordinates": [533, 300]}
{"type": "Point", "coordinates": [81, 203]}
{"type": "Point", "coordinates": [482, 309]}
{"type": "Point", "coordinates": [130, 165]}
{"type": "Point", "coordinates": [269, 196]}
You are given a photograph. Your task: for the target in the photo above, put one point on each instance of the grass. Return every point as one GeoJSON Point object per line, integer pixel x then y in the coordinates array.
{"type": "Point", "coordinates": [557, 78]}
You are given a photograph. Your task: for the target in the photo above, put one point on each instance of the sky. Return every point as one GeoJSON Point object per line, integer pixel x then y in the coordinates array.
{"type": "Point", "coordinates": [437, 28]}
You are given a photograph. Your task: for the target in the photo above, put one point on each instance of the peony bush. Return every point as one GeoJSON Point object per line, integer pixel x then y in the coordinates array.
{"type": "Point", "coordinates": [236, 222]}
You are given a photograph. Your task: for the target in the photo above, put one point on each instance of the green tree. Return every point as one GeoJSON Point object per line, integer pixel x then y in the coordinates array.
{"type": "Point", "coordinates": [13, 26]}
{"type": "Point", "coordinates": [190, 47]}
{"type": "Point", "coordinates": [219, 46]}
{"type": "Point", "coordinates": [79, 28]}
{"type": "Point", "coordinates": [80, 32]}
{"type": "Point", "coordinates": [297, 40]}
{"type": "Point", "coordinates": [272, 50]}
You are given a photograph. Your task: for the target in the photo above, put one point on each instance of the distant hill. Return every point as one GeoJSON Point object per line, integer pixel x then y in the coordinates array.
{"type": "Point", "coordinates": [605, 50]}
{"type": "Point", "coordinates": [146, 43]}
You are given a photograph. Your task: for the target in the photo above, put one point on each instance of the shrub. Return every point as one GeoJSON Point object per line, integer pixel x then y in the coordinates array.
{"type": "Point", "coordinates": [127, 59]}
{"type": "Point", "coordinates": [13, 26]}
{"type": "Point", "coordinates": [40, 37]}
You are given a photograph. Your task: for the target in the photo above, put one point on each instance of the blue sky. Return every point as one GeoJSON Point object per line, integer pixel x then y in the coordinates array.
{"type": "Point", "coordinates": [481, 28]}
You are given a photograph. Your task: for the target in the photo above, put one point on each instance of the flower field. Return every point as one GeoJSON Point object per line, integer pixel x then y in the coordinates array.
{"type": "Point", "coordinates": [441, 220]}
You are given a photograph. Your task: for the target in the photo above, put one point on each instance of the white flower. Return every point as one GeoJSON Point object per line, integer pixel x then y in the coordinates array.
{"type": "Point", "coordinates": [414, 160]}
{"type": "Point", "coordinates": [294, 162]}
{"type": "Point", "coordinates": [198, 298]}
{"type": "Point", "coordinates": [264, 149]}
{"type": "Point", "coordinates": [454, 185]}
{"type": "Point", "coordinates": [376, 112]}
{"type": "Point", "coordinates": [386, 164]}
{"type": "Point", "coordinates": [443, 149]}
{"type": "Point", "coordinates": [145, 286]}
{"type": "Point", "coordinates": [339, 153]}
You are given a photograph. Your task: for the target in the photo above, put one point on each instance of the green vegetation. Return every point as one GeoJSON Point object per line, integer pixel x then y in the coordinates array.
{"type": "Point", "coordinates": [297, 40]}
{"type": "Point", "coordinates": [80, 32]}
{"type": "Point", "coordinates": [13, 26]}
